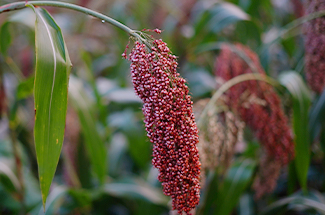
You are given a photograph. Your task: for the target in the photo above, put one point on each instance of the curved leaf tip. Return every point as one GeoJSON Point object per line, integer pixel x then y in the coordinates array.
{"type": "Point", "coordinates": [51, 94]}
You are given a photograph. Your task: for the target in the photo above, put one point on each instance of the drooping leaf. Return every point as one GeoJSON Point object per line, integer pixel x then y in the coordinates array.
{"type": "Point", "coordinates": [51, 95]}
{"type": "Point", "coordinates": [246, 206]}
{"type": "Point", "coordinates": [117, 150]}
{"type": "Point", "coordinates": [135, 189]}
{"type": "Point", "coordinates": [8, 177]}
{"type": "Point", "coordinates": [209, 194]}
{"type": "Point", "coordinates": [32, 190]}
{"type": "Point", "coordinates": [54, 202]}
{"type": "Point", "coordinates": [9, 202]}
{"type": "Point", "coordinates": [235, 183]}
{"type": "Point", "coordinates": [301, 102]}
{"type": "Point", "coordinates": [25, 88]}
{"type": "Point", "coordinates": [224, 14]}
{"type": "Point", "coordinates": [296, 202]}
{"type": "Point", "coordinates": [210, 18]}
{"type": "Point", "coordinates": [317, 116]}
{"type": "Point", "coordinates": [25, 17]}
{"type": "Point", "coordinates": [5, 38]}
{"type": "Point", "coordinates": [93, 141]}
{"type": "Point", "coordinates": [138, 144]}
{"type": "Point", "coordinates": [248, 32]}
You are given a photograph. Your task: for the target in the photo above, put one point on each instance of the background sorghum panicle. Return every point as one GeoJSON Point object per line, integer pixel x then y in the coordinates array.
{"type": "Point", "coordinates": [267, 177]}
{"type": "Point", "coordinates": [220, 132]}
{"type": "Point", "coordinates": [315, 47]}
{"type": "Point", "coordinates": [264, 114]}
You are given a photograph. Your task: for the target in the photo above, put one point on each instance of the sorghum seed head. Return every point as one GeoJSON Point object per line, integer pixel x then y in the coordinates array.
{"type": "Point", "coordinates": [267, 176]}
{"type": "Point", "coordinates": [218, 136]}
{"type": "Point", "coordinates": [259, 107]}
{"type": "Point", "coordinates": [169, 122]}
{"type": "Point", "coordinates": [315, 47]}
{"type": "Point", "coordinates": [264, 114]}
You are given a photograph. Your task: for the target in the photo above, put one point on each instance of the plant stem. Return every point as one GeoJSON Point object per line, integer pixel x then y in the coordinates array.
{"type": "Point", "coordinates": [22, 4]}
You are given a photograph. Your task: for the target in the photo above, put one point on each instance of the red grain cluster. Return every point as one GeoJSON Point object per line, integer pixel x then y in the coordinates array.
{"type": "Point", "coordinates": [169, 121]}
{"type": "Point", "coordinates": [315, 47]}
{"type": "Point", "coordinates": [267, 120]}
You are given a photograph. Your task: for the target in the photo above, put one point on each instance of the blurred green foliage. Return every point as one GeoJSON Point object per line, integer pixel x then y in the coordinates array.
{"type": "Point", "coordinates": [104, 115]}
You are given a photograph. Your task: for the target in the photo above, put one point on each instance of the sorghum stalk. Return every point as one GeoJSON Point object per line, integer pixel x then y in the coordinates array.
{"type": "Point", "coordinates": [23, 4]}
{"type": "Point", "coordinates": [169, 121]}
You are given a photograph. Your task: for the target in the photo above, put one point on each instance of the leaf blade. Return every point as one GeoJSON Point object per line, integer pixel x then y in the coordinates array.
{"type": "Point", "coordinates": [301, 103]}
{"type": "Point", "coordinates": [236, 181]}
{"type": "Point", "coordinates": [50, 92]}
{"type": "Point", "coordinates": [5, 36]}
{"type": "Point", "coordinates": [94, 144]}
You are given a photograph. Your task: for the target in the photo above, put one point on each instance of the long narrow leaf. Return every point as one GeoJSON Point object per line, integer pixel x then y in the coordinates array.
{"type": "Point", "coordinates": [301, 103]}
{"type": "Point", "coordinates": [93, 141]}
{"type": "Point", "coordinates": [137, 191]}
{"type": "Point", "coordinates": [224, 14]}
{"type": "Point", "coordinates": [5, 170]}
{"type": "Point", "coordinates": [295, 202]}
{"type": "Point", "coordinates": [317, 117]}
{"type": "Point", "coordinates": [236, 181]}
{"type": "Point", "coordinates": [55, 200]}
{"type": "Point", "coordinates": [5, 38]}
{"type": "Point", "coordinates": [51, 95]}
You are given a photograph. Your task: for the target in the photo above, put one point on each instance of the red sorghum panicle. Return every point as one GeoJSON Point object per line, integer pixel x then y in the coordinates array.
{"type": "Point", "coordinates": [259, 106]}
{"type": "Point", "coordinates": [265, 116]}
{"type": "Point", "coordinates": [169, 121]}
{"type": "Point", "coordinates": [267, 177]}
{"type": "Point", "coordinates": [298, 8]}
{"type": "Point", "coordinates": [315, 47]}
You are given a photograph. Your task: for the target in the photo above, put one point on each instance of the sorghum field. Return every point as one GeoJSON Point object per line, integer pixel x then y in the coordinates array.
{"type": "Point", "coordinates": [157, 107]}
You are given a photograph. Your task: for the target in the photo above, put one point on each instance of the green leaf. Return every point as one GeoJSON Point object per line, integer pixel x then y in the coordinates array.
{"type": "Point", "coordinates": [317, 116]}
{"type": "Point", "coordinates": [137, 191]}
{"type": "Point", "coordinates": [235, 183]}
{"type": "Point", "coordinates": [25, 88]}
{"type": "Point", "coordinates": [301, 102]}
{"type": "Point", "coordinates": [5, 38]}
{"type": "Point", "coordinates": [93, 141]}
{"type": "Point", "coordinates": [8, 177]}
{"type": "Point", "coordinates": [210, 18]}
{"type": "Point", "coordinates": [25, 17]}
{"type": "Point", "coordinates": [54, 202]}
{"type": "Point", "coordinates": [51, 96]}
{"type": "Point", "coordinates": [209, 196]}
{"type": "Point", "coordinates": [248, 32]}
{"type": "Point", "coordinates": [246, 205]}
{"type": "Point", "coordinates": [224, 14]}
{"type": "Point", "coordinates": [297, 202]}
{"type": "Point", "coordinates": [139, 145]}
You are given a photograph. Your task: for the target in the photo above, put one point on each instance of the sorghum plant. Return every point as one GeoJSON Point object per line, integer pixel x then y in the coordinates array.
{"type": "Point", "coordinates": [257, 104]}
{"type": "Point", "coordinates": [167, 106]}
{"type": "Point", "coordinates": [315, 46]}
{"type": "Point", "coordinates": [169, 121]}
{"type": "Point", "coordinates": [269, 172]}
{"type": "Point", "coordinates": [221, 131]}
